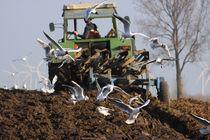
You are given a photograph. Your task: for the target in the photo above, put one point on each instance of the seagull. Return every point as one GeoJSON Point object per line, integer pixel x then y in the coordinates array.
{"type": "Point", "coordinates": [72, 91]}
{"type": "Point", "coordinates": [203, 122]}
{"type": "Point", "coordinates": [49, 52]}
{"type": "Point", "coordinates": [106, 90]}
{"type": "Point", "coordinates": [78, 91]}
{"type": "Point", "coordinates": [5, 87]}
{"type": "Point", "coordinates": [15, 86]}
{"type": "Point", "coordinates": [155, 44]}
{"type": "Point", "coordinates": [134, 112]}
{"type": "Point", "coordinates": [24, 59]}
{"type": "Point", "coordinates": [127, 31]}
{"type": "Point", "coordinates": [92, 10]}
{"type": "Point", "coordinates": [47, 83]}
{"type": "Point", "coordinates": [24, 86]}
{"type": "Point", "coordinates": [61, 51]}
{"type": "Point", "coordinates": [11, 73]}
{"type": "Point", "coordinates": [160, 61]}
{"type": "Point", "coordinates": [104, 111]}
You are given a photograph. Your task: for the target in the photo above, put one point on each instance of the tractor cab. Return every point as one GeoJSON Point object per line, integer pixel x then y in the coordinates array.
{"type": "Point", "coordinates": [73, 20]}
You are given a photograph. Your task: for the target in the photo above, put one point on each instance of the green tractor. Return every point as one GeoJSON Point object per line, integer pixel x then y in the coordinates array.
{"type": "Point", "coordinates": [109, 56]}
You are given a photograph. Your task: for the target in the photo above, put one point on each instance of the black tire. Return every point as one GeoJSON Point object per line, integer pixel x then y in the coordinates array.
{"type": "Point", "coordinates": [164, 94]}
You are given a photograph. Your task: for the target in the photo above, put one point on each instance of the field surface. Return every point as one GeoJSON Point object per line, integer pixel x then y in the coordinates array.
{"type": "Point", "coordinates": [31, 114]}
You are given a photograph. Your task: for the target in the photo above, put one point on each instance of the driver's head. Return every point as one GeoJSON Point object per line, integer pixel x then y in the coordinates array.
{"type": "Point", "coordinates": [88, 21]}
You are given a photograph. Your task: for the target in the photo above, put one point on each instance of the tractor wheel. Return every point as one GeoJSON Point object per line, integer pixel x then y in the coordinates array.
{"type": "Point", "coordinates": [164, 94]}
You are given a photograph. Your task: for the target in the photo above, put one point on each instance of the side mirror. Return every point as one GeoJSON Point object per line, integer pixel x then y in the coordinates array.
{"type": "Point", "coordinates": [52, 26]}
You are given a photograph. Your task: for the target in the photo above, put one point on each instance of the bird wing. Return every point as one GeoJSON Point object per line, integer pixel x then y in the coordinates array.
{"type": "Point", "coordinates": [205, 131]}
{"type": "Point", "coordinates": [166, 49]}
{"type": "Point", "coordinates": [154, 40]}
{"type": "Point", "coordinates": [54, 42]}
{"type": "Point", "coordinates": [132, 99]}
{"type": "Point", "coordinates": [43, 44]}
{"type": "Point", "coordinates": [144, 104]}
{"type": "Point", "coordinates": [151, 61]}
{"type": "Point", "coordinates": [141, 34]}
{"type": "Point", "coordinates": [55, 78]}
{"type": "Point", "coordinates": [87, 13]}
{"type": "Point", "coordinates": [100, 92]}
{"type": "Point", "coordinates": [74, 50]}
{"type": "Point", "coordinates": [97, 85]}
{"type": "Point", "coordinates": [98, 5]}
{"type": "Point", "coordinates": [169, 59]}
{"type": "Point", "coordinates": [107, 91]}
{"type": "Point", "coordinates": [71, 89]}
{"type": "Point", "coordinates": [122, 106]}
{"type": "Point", "coordinates": [200, 120]}
{"type": "Point", "coordinates": [79, 89]}
{"type": "Point", "coordinates": [119, 89]}
{"type": "Point", "coordinates": [125, 23]}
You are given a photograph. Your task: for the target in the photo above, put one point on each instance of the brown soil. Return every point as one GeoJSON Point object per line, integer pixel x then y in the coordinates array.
{"type": "Point", "coordinates": [32, 114]}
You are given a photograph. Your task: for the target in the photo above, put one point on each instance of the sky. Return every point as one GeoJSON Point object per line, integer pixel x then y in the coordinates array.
{"type": "Point", "coordinates": [23, 21]}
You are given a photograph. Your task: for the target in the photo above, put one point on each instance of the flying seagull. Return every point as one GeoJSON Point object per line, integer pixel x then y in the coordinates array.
{"type": "Point", "coordinates": [106, 90]}
{"type": "Point", "coordinates": [203, 122]}
{"type": "Point", "coordinates": [24, 59]}
{"type": "Point", "coordinates": [104, 110]}
{"type": "Point", "coordinates": [127, 31]}
{"type": "Point", "coordinates": [155, 44]}
{"type": "Point", "coordinates": [159, 61]}
{"type": "Point", "coordinates": [61, 51]}
{"type": "Point", "coordinates": [92, 10]}
{"type": "Point", "coordinates": [134, 112]}
{"type": "Point", "coordinates": [48, 84]}
{"type": "Point", "coordinates": [78, 91]}
{"type": "Point", "coordinates": [49, 52]}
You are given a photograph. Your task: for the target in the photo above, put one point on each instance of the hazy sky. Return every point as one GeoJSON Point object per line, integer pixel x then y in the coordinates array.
{"type": "Point", "coordinates": [23, 21]}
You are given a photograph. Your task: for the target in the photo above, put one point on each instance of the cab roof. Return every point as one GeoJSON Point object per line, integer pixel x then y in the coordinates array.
{"type": "Point", "coordinates": [76, 11]}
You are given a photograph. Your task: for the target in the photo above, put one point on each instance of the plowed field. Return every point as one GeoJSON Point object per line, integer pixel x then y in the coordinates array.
{"type": "Point", "coordinates": [36, 115]}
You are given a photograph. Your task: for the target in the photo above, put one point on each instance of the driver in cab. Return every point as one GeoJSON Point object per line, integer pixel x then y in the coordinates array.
{"type": "Point", "coordinates": [90, 31]}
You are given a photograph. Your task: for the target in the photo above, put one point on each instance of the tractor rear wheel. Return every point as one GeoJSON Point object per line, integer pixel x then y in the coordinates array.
{"type": "Point", "coordinates": [164, 94]}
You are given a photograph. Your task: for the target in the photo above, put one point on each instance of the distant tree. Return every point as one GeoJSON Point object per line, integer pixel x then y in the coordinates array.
{"type": "Point", "coordinates": [183, 24]}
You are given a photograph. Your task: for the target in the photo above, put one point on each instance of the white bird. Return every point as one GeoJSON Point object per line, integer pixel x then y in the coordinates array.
{"type": "Point", "coordinates": [127, 31]}
{"type": "Point", "coordinates": [104, 111]}
{"type": "Point", "coordinates": [106, 90]}
{"type": "Point", "coordinates": [11, 73]}
{"type": "Point", "coordinates": [5, 87]}
{"type": "Point", "coordinates": [72, 91]}
{"type": "Point", "coordinates": [24, 59]}
{"type": "Point", "coordinates": [49, 52]}
{"type": "Point", "coordinates": [155, 44]}
{"type": "Point", "coordinates": [134, 112]}
{"type": "Point", "coordinates": [15, 86]}
{"type": "Point", "coordinates": [159, 61]}
{"type": "Point", "coordinates": [24, 86]}
{"type": "Point", "coordinates": [48, 84]}
{"type": "Point", "coordinates": [61, 51]}
{"type": "Point", "coordinates": [92, 10]}
{"type": "Point", "coordinates": [78, 91]}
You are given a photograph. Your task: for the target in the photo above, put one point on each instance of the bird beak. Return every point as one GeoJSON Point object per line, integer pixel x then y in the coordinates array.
{"type": "Point", "coordinates": [96, 13]}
